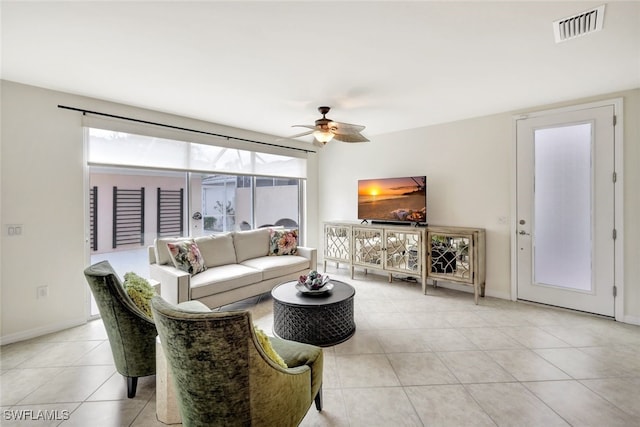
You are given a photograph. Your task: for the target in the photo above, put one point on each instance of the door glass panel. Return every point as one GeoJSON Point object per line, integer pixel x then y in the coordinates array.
{"type": "Point", "coordinates": [228, 202]}
{"type": "Point", "coordinates": [171, 203]}
{"type": "Point", "coordinates": [563, 206]}
{"type": "Point", "coordinates": [220, 200]}
{"type": "Point", "coordinates": [276, 202]}
{"type": "Point", "coordinates": [164, 203]}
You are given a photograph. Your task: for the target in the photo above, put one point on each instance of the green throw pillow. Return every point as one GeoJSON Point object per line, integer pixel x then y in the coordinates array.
{"type": "Point", "coordinates": [140, 292]}
{"type": "Point", "coordinates": [263, 339]}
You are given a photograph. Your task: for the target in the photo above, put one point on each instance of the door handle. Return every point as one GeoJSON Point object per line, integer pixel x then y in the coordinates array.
{"type": "Point", "coordinates": [523, 233]}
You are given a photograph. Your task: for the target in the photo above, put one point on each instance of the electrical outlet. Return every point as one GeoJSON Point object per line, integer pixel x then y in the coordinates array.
{"type": "Point", "coordinates": [42, 291]}
{"type": "Point", "coordinates": [14, 230]}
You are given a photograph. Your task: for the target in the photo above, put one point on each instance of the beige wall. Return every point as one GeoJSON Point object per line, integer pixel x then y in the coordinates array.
{"type": "Point", "coordinates": [464, 186]}
{"type": "Point", "coordinates": [43, 188]}
{"type": "Point", "coordinates": [469, 164]}
{"type": "Point", "coordinates": [631, 181]}
{"type": "Point", "coordinates": [42, 175]}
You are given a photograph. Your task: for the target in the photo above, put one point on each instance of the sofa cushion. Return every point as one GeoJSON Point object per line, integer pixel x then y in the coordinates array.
{"type": "Point", "coordinates": [283, 242]}
{"type": "Point", "coordinates": [186, 257]}
{"type": "Point", "coordinates": [217, 249]}
{"type": "Point", "coordinates": [251, 244]}
{"type": "Point", "coordinates": [223, 278]}
{"type": "Point", "coordinates": [162, 251]}
{"type": "Point", "coordinates": [272, 267]}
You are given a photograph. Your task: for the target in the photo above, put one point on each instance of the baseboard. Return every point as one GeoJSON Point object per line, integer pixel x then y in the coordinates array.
{"type": "Point", "coordinates": [632, 320]}
{"type": "Point", "coordinates": [465, 288]}
{"type": "Point", "coordinates": [37, 332]}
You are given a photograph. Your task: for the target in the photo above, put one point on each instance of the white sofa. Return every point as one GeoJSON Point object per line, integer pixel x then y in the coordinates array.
{"type": "Point", "coordinates": [238, 266]}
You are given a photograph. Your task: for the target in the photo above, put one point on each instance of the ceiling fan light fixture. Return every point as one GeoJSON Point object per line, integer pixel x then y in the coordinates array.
{"type": "Point", "coordinates": [323, 136]}
{"type": "Point", "coordinates": [325, 130]}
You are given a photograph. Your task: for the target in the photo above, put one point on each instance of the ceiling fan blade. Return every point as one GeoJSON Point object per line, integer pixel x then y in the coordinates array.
{"type": "Point", "coordinates": [345, 128]}
{"type": "Point", "coordinates": [305, 126]}
{"type": "Point", "coordinates": [301, 134]}
{"type": "Point", "coordinates": [350, 137]}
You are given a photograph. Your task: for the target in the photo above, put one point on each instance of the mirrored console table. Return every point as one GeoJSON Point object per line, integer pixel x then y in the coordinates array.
{"type": "Point", "coordinates": [450, 254]}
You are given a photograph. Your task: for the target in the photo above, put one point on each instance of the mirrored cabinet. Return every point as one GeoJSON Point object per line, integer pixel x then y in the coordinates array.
{"type": "Point", "coordinates": [457, 254]}
{"type": "Point", "coordinates": [449, 254]}
{"type": "Point", "coordinates": [337, 244]}
{"type": "Point", "coordinates": [395, 250]}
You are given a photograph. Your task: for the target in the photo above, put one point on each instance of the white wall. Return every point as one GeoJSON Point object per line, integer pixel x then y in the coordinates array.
{"type": "Point", "coordinates": [464, 188]}
{"type": "Point", "coordinates": [43, 188]}
{"type": "Point", "coordinates": [468, 165]}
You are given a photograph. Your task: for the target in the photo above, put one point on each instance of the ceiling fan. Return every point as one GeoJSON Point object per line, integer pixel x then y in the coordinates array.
{"type": "Point", "coordinates": [326, 129]}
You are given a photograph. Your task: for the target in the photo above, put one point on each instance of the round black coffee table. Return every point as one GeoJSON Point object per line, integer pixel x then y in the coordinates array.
{"type": "Point", "coordinates": [323, 320]}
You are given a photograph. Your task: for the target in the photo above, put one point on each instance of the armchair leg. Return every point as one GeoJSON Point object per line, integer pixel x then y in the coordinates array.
{"type": "Point", "coordinates": [132, 385]}
{"type": "Point", "coordinates": [318, 399]}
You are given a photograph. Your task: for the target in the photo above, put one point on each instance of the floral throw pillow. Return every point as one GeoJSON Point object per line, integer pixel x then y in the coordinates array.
{"type": "Point", "coordinates": [283, 242]}
{"type": "Point", "coordinates": [186, 256]}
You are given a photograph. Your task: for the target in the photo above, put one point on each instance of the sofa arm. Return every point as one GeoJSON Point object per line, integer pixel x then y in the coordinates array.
{"type": "Point", "coordinates": [151, 253]}
{"type": "Point", "coordinates": [311, 254]}
{"type": "Point", "coordinates": [175, 286]}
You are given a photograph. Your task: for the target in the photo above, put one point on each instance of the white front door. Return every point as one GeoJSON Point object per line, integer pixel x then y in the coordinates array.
{"type": "Point", "coordinates": [565, 209]}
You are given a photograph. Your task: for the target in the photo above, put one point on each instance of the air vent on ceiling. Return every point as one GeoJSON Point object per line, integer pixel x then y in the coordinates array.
{"type": "Point", "coordinates": [579, 25]}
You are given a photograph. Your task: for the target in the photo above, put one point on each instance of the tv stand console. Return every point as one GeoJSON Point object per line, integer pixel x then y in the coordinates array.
{"type": "Point", "coordinates": [449, 254]}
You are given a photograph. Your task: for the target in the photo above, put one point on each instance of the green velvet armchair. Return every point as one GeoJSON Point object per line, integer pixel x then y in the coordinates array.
{"type": "Point", "coordinates": [223, 376]}
{"type": "Point", "coordinates": [132, 335]}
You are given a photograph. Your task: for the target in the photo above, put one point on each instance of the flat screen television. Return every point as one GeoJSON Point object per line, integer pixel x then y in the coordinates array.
{"type": "Point", "coordinates": [395, 200]}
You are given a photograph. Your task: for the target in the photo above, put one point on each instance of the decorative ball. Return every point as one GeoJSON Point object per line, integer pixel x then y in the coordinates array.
{"type": "Point", "coordinates": [313, 280]}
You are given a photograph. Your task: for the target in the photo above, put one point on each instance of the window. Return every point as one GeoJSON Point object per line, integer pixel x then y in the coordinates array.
{"type": "Point", "coordinates": [244, 202]}
{"type": "Point", "coordinates": [125, 149]}
{"type": "Point", "coordinates": [199, 175]}
{"type": "Point", "coordinates": [219, 196]}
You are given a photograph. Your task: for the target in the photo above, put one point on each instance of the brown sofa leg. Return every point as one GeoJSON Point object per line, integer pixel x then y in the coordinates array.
{"type": "Point", "coordinates": [132, 384]}
{"type": "Point", "coordinates": [318, 399]}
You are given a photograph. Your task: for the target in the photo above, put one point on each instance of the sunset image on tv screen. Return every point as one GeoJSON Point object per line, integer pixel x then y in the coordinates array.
{"type": "Point", "coordinates": [393, 199]}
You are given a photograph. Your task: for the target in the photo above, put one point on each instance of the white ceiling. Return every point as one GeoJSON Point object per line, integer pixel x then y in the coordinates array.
{"type": "Point", "coordinates": [265, 65]}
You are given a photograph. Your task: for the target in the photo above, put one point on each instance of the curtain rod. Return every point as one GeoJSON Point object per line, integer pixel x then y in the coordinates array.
{"type": "Point", "coordinates": [146, 122]}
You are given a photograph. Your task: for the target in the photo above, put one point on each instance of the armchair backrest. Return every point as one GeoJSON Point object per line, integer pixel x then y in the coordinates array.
{"type": "Point", "coordinates": [131, 333]}
{"type": "Point", "coordinates": [209, 356]}
{"type": "Point", "coordinates": [221, 374]}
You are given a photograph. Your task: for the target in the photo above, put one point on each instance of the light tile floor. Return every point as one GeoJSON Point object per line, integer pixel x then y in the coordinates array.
{"type": "Point", "coordinates": [415, 360]}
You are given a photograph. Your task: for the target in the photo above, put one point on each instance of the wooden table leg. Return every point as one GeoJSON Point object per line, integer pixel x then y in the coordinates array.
{"type": "Point", "coordinates": [166, 402]}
